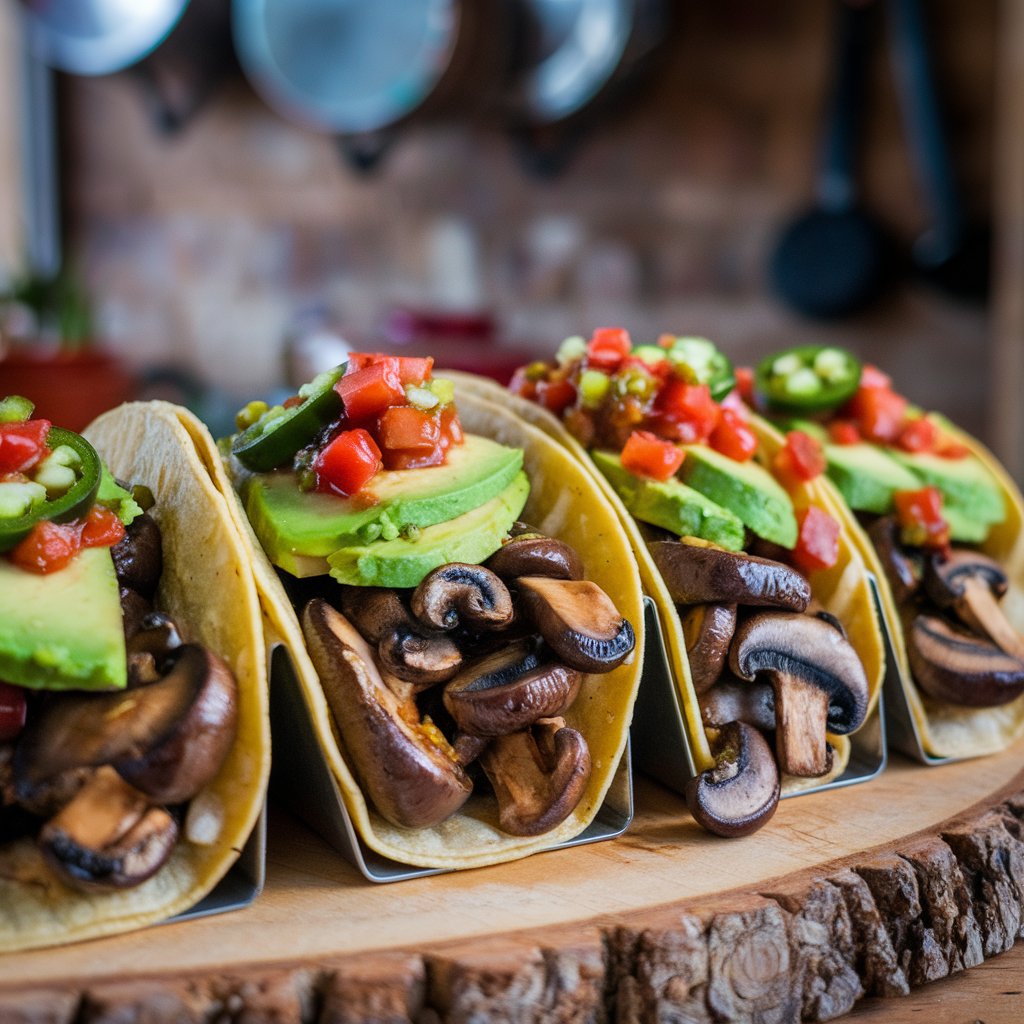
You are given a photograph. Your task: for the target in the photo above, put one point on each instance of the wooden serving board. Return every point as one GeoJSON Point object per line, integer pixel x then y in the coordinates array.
{"type": "Point", "coordinates": [865, 891]}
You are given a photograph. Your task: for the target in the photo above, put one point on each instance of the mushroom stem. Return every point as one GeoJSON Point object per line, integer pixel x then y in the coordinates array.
{"type": "Point", "coordinates": [979, 609]}
{"type": "Point", "coordinates": [801, 712]}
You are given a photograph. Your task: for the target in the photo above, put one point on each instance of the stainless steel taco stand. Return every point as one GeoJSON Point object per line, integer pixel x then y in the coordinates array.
{"type": "Point", "coordinates": [663, 748]}
{"type": "Point", "coordinates": [305, 783]}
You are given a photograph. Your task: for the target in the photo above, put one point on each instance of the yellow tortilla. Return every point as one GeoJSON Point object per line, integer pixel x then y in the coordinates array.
{"type": "Point", "coordinates": [564, 502]}
{"type": "Point", "coordinates": [952, 730]}
{"type": "Point", "coordinates": [844, 590]}
{"type": "Point", "coordinates": [207, 587]}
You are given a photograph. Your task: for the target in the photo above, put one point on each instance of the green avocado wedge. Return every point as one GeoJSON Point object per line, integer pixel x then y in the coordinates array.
{"type": "Point", "coordinates": [403, 562]}
{"type": "Point", "coordinates": [671, 505]}
{"type": "Point", "coordinates": [78, 643]}
{"type": "Point", "coordinates": [299, 529]}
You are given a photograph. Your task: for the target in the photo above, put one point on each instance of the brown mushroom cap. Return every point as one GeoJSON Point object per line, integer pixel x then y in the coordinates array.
{"type": "Point", "coordinates": [970, 584]}
{"type": "Point", "coordinates": [191, 752]}
{"type": "Point", "coordinates": [953, 665]}
{"type": "Point", "coordinates": [407, 771]}
{"type": "Point", "coordinates": [509, 690]}
{"type": "Point", "coordinates": [108, 836]}
{"type": "Point", "coordinates": [818, 680]}
{"type": "Point", "coordinates": [737, 700]}
{"type": "Point", "coordinates": [462, 594]}
{"type": "Point", "coordinates": [423, 660]}
{"type": "Point", "coordinates": [138, 556]}
{"type": "Point", "coordinates": [707, 631]}
{"type": "Point", "coordinates": [539, 775]}
{"type": "Point", "coordinates": [76, 730]}
{"type": "Point", "coordinates": [375, 611]}
{"type": "Point", "coordinates": [695, 574]}
{"type": "Point", "coordinates": [579, 622]}
{"type": "Point", "coordinates": [741, 792]}
{"type": "Point", "coordinates": [902, 566]}
{"type": "Point", "coordinates": [533, 554]}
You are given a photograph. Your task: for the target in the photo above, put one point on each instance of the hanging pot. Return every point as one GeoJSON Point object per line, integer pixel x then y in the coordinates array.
{"type": "Point", "coordinates": [364, 70]}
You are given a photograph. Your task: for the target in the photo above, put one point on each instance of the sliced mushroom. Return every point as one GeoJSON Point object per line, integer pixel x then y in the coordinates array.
{"type": "Point", "coordinates": [410, 773]}
{"type": "Point", "coordinates": [108, 836]}
{"type": "Point", "coordinates": [469, 748]}
{"type": "Point", "coordinates": [818, 680]}
{"type": "Point", "coordinates": [707, 630]}
{"type": "Point", "coordinates": [533, 554]}
{"type": "Point", "coordinates": [740, 793]}
{"type": "Point", "coordinates": [697, 574]}
{"type": "Point", "coordinates": [736, 700]}
{"type": "Point", "coordinates": [462, 594]}
{"type": "Point", "coordinates": [422, 660]}
{"type": "Point", "coordinates": [953, 665]}
{"type": "Point", "coordinates": [375, 611]}
{"type": "Point", "coordinates": [903, 566]}
{"type": "Point", "coordinates": [970, 584]}
{"type": "Point", "coordinates": [134, 609]}
{"type": "Point", "coordinates": [138, 557]}
{"type": "Point", "coordinates": [509, 690]}
{"type": "Point", "coordinates": [579, 621]}
{"type": "Point", "coordinates": [149, 646]}
{"type": "Point", "coordinates": [539, 775]}
{"type": "Point", "coordinates": [80, 730]}
{"type": "Point", "coordinates": [190, 752]}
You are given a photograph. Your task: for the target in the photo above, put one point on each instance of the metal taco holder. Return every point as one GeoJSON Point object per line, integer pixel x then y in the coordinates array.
{"type": "Point", "coordinates": [663, 748]}
{"type": "Point", "coordinates": [309, 788]}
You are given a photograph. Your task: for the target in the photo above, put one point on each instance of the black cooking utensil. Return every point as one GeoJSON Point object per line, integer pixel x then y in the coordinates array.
{"type": "Point", "coordinates": [835, 258]}
{"type": "Point", "coordinates": [954, 253]}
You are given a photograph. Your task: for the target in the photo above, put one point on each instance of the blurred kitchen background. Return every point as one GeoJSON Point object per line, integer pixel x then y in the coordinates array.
{"type": "Point", "coordinates": [209, 200]}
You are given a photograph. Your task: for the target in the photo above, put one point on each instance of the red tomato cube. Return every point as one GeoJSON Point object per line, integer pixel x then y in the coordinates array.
{"type": "Point", "coordinates": [371, 390]}
{"type": "Point", "coordinates": [22, 444]}
{"type": "Point", "coordinates": [348, 463]}
{"type": "Point", "coordinates": [645, 454]}
{"type": "Point", "coordinates": [733, 437]}
{"type": "Point", "coordinates": [817, 544]}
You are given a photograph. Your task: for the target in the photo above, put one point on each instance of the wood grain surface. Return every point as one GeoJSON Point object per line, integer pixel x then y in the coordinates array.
{"type": "Point", "coordinates": [864, 892]}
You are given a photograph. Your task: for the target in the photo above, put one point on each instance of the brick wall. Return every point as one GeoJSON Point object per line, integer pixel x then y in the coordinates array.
{"type": "Point", "coordinates": [202, 247]}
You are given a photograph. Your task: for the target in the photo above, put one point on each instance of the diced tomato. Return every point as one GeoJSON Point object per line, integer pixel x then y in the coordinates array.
{"type": "Point", "coordinates": [843, 432]}
{"type": "Point", "coordinates": [920, 517]}
{"type": "Point", "coordinates": [403, 428]}
{"type": "Point", "coordinates": [607, 347]}
{"type": "Point", "coordinates": [556, 396]}
{"type": "Point", "coordinates": [645, 454]}
{"type": "Point", "coordinates": [411, 369]}
{"type": "Point", "coordinates": [949, 448]}
{"type": "Point", "coordinates": [799, 460]}
{"type": "Point", "coordinates": [48, 547]}
{"type": "Point", "coordinates": [291, 403]}
{"type": "Point", "coordinates": [733, 437]}
{"type": "Point", "coordinates": [522, 384]}
{"type": "Point", "coordinates": [102, 528]}
{"type": "Point", "coordinates": [879, 413]}
{"type": "Point", "coordinates": [22, 444]}
{"type": "Point", "coordinates": [451, 428]}
{"type": "Point", "coordinates": [372, 389]}
{"type": "Point", "coordinates": [918, 435]}
{"type": "Point", "coordinates": [745, 383]}
{"type": "Point", "coordinates": [817, 544]}
{"type": "Point", "coordinates": [685, 412]}
{"type": "Point", "coordinates": [413, 459]}
{"type": "Point", "coordinates": [13, 709]}
{"type": "Point", "coordinates": [872, 377]}
{"type": "Point", "coordinates": [348, 463]}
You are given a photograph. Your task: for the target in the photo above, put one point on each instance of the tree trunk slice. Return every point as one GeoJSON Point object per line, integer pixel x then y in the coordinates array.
{"type": "Point", "coordinates": [867, 891]}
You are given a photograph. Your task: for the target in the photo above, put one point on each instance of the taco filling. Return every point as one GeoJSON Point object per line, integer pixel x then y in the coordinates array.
{"type": "Point", "coordinates": [110, 722]}
{"type": "Point", "coordinates": [743, 544]}
{"type": "Point", "coordinates": [935, 512]}
{"type": "Point", "coordinates": [449, 639]}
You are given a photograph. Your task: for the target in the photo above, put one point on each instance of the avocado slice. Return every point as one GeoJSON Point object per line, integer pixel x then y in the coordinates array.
{"type": "Point", "coordinates": [403, 562]}
{"type": "Point", "coordinates": [671, 505]}
{"type": "Point", "coordinates": [78, 642]}
{"type": "Point", "coordinates": [966, 484]}
{"type": "Point", "coordinates": [299, 529]}
{"type": "Point", "coordinates": [867, 476]}
{"type": "Point", "coordinates": [746, 489]}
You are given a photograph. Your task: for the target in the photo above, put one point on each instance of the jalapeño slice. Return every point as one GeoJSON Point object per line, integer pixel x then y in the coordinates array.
{"type": "Point", "coordinates": [806, 379]}
{"type": "Point", "coordinates": [74, 503]}
{"type": "Point", "coordinates": [279, 433]}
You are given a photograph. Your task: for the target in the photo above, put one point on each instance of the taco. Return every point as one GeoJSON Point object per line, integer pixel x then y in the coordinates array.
{"type": "Point", "coordinates": [940, 524]}
{"type": "Point", "coordinates": [457, 598]}
{"type": "Point", "coordinates": [134, 741]}
{"type": "Point", "coordinates": [737, 542]}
